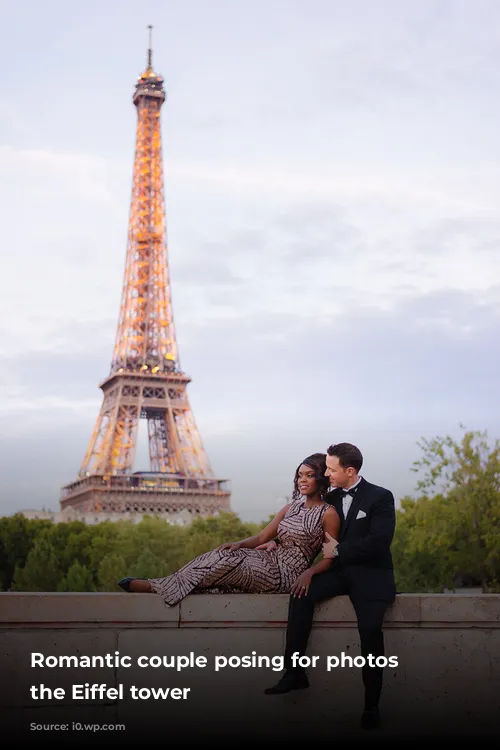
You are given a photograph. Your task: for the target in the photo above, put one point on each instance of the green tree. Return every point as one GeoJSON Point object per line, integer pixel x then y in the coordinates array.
{"type": "Point", "coordinates": [41, 572]}
{"type": "Point", "coordinates": [452, 532]}
{"type": "Point", "coordinates": [75, 557]}
{"type": "Point", "coordinates": [166, 542]}
{"type": "Point", "coordinates": [72, 542]}
{"type": "Point", "coordinates": [78, 578]}
{"type": "Point", "coordinates": [111, 569]}
{"type": "Point", "coordinates": [148, 566]}
{"type": "Point", "coordinates": [17, 536]}
{"type": "Point", "coordinates": [418, 560]}
{"type": "Point", "coordinates": [107, 537]}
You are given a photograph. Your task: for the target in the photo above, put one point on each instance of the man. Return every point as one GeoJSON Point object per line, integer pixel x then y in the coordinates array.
{"type": "Point", "coordinates": [362, 568]}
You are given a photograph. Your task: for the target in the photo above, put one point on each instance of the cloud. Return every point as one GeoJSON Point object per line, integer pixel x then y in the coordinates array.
{"type": "Point", "coordinates": [332, 231]}
{"type": "Point", "coordinates": [382, 379]}
{"type": "Point", "coordinates": [45, 171]}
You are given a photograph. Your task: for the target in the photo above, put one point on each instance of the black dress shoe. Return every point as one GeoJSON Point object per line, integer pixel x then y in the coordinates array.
{"type": "Point", "coordinates": [370, 719]}
{"type": "Point", "coordinates": [288, 682]}
{"type": "Point", "coordinates": [125, 583]}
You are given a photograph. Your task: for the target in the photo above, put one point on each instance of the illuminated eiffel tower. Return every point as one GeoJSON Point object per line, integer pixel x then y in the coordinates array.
{"type": "Point", "coordinates": [146, 380]}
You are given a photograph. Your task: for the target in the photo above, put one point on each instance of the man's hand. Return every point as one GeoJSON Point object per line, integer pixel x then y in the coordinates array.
{"type": "Point", "coordinates": [231, 546]}
{"type": "Point", "coordinates": [301, 585]}
{"type": "Point", "coordinates": [330, 546]}
{"type": "Point", "coordinates": [268, 546]}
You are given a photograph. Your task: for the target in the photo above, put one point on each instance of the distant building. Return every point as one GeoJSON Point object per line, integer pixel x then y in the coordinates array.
{"type": "Point", "coordinates": [183, 518]}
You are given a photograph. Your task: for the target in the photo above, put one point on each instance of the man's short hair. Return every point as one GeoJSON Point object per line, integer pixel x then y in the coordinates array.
{"type": "Point", "coordinates": [347, 454]}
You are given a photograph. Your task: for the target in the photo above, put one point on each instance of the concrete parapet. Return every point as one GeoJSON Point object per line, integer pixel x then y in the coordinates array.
{"type": "Point", "coordinates": [446, 683]}
{"type": "Point", "coordinates": [36, 609]}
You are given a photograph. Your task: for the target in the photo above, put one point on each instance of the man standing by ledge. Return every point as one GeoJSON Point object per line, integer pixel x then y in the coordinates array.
{"type": "Point", "coordinates": [362, 569]}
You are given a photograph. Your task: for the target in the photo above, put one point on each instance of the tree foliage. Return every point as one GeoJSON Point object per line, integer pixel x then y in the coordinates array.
{"type": "Point", "coordinates": [78, 578]}
{"type": "Point", "coordinates": [42, 556]}
{"type": "Point", "coordinates": [446, 536]}
{"type": "Point", "coordinates": [450, 535]}
{"type": "Point", "coordinates": [41, 571]}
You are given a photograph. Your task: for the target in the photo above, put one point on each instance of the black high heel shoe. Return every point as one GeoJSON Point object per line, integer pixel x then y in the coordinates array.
{"type": "Point", "coordinates": [125, 584]}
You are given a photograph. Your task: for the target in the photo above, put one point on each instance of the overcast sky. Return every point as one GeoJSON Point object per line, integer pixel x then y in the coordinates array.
{"type": "Point", "coordinates": [332, 182]}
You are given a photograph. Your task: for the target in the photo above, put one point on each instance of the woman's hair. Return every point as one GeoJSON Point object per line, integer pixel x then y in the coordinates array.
{"type": "Point", "coordinates": [317, 462]}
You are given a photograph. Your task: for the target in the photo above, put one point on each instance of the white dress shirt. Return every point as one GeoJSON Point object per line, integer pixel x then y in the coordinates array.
{"type": "Point", "coordinates": [347, 499]}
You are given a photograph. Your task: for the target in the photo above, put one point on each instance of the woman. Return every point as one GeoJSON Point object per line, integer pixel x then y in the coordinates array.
{"type": "Point", "coordinates": [248, 566]}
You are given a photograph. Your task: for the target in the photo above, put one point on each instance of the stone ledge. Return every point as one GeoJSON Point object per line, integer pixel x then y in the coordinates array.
{"type": "Point", "coordinates": [63, 610]}
{"type": "Point", "coordinates": [446, 680]}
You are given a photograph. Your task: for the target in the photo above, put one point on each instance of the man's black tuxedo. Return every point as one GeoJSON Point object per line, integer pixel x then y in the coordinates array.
{"type": "Point", "coordinates": [365, 541]}
{"type": "Point", "coordinates": [363, 570]}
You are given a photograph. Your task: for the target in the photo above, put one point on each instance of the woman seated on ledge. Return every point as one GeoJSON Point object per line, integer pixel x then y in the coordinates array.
{"type": "Point", "coordinates": [254, 565]}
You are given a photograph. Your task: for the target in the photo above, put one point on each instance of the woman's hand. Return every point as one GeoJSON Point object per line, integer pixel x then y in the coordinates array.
{"type": "Point", "coordinates": [301, 585]}
{"type": "Point", "coordinates": [231, 546]}
{"type": "Point", "coordinates": [268, 546]}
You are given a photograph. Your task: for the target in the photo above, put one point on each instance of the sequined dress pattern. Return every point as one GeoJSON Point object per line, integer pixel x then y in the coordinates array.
{"type": "Point", "coordinates": [300, 534]}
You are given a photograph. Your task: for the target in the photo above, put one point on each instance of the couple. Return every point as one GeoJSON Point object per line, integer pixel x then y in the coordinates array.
{"type": "Point", "coordinates": [331, 502]}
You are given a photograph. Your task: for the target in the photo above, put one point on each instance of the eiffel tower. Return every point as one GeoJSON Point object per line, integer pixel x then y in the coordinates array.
{"type": "Point", "coordinates": [146, 380]}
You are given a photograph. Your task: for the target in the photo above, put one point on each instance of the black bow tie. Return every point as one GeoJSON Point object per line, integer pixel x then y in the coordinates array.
{"type": "Point", "coordinates": [350, 492]}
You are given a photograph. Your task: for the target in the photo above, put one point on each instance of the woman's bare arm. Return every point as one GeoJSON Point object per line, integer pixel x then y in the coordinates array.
{"type": "Point", "coordinates": [268, 533]}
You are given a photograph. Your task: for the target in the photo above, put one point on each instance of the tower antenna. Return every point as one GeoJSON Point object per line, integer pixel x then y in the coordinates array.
{"type": "Point", "coordinates": [150, 48]}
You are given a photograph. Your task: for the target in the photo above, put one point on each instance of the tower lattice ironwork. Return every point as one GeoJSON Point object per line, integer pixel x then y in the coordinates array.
{"type": "Point", "coordinates": [146, 380]}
